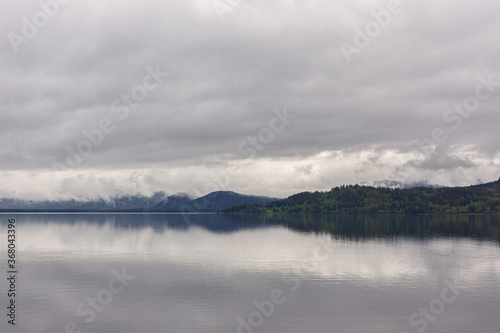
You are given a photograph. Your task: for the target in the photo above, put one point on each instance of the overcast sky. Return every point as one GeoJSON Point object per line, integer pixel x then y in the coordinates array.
{"type": "Point", "coordinates": [254, 96]}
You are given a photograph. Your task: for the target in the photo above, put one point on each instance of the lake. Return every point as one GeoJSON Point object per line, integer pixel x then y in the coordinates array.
{"type": "Point", "coordinates": [153, 273]}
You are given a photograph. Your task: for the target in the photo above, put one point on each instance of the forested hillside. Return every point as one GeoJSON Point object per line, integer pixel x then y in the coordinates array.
{"type": "Point", "coordinates": [484, 198]}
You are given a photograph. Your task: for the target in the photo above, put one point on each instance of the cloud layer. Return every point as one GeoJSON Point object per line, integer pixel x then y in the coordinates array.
{"type": "Point", "coordinates": [417, 100]}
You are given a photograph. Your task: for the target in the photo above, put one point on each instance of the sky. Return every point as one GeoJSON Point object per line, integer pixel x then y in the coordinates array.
{"type": "Point", "coordinates": [258, 97]}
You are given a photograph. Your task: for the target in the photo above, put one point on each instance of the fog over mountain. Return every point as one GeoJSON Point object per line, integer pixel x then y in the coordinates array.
{"type": "Point", "coordinates": [158, 202]}
{"type": "Point", "coordinates": [257, 97]}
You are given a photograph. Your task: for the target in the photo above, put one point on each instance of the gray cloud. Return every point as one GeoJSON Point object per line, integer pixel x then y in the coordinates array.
{"type": "Point", "coordinates": [438, 161]}
{"type": "Point", "coordinates": [226, 77]}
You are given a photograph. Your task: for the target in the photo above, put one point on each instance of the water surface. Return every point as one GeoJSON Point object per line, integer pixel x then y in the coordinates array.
{"type": "Point", "coordinates": [209, 273]}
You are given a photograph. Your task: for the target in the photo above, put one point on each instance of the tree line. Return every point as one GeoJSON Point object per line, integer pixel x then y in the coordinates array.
{"type": "Point", "coordinates": [477, 199]}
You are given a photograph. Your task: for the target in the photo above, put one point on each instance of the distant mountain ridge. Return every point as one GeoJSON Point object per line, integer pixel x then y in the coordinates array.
{"type": "Point", "coordinates": [158, 202]}
{"type": "Point", "coordinates": [211, 202]}
{"type": "Point", "coordinates": [118, 203]}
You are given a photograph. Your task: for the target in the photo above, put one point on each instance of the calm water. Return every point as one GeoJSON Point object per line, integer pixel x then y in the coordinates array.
{"type": "Point", "coordinates": [166, 273]}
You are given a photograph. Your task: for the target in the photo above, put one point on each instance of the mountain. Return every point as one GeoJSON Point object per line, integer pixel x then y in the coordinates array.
{"type": "Point", "coordinates": [158, 202]}
{"type": "Point", "coordinates": [118, 203]}
{"type": "Point", "coordinates": [211, 202]}
{"type": "Point", "coordinates": [476, 199]}
{"type": "Point", "coordinates": [172, 203]}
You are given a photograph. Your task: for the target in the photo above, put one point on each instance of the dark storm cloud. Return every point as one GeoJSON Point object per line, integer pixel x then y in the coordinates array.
{"type": "Point", "coordinates": [227, 76]}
